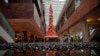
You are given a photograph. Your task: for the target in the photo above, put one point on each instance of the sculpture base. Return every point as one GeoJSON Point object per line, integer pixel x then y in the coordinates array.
{"type": "Point", "coordinates": [49, 39]}
{"type": "Point", "coordinates": [55, 36]}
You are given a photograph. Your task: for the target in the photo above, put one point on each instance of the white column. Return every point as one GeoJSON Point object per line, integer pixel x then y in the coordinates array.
{"type": "Point", "coordinates": [68, 35]}
{"type": "Point", "coordinates": [60, 38]}
{"type": "Point", "coordinates": [85, 31]}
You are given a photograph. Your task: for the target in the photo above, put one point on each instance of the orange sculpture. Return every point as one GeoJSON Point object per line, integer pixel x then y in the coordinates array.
{"type": "Point", "coordinates": [51, 33]}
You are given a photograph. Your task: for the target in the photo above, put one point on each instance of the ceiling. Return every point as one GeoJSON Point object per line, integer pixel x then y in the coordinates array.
{"type": "Point", "coordinates": [57, 6]}
{"type": "Point", "coordinates": [28, 25]}
{"type": "Point", "coordinates": [20, 17]}
{"type": "Point", "coordinates": [93, 19]}
{"type": "Point", "coordinates": [18, 10]}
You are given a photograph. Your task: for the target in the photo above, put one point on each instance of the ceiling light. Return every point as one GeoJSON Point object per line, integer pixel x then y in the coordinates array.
{"type": "Point", "coordinates": [99, 19]}
{"type": "Point", "coordinates": [6, 1]}
{"type": "Point", "coordinates": [61, 0]}
{"type": "Point", "coordinates": [89, 20]}
{"type": "Point", "coordinates": [16, 38]}
{"type": "Point", "coordinates": [82, 50]}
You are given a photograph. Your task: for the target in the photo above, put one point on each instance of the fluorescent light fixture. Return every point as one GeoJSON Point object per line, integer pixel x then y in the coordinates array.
{"type": "Point", "coordinates": [61, 0]}
{"type": "Point", "coordinates": [89, 20]}
{"type": "Point", "coordinates": [99, 19]}
{"type": "Point", "coordinates": [6, 1]}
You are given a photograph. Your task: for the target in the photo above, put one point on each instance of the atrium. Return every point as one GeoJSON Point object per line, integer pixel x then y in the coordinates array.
{"type": "Point", "coordinates": [49, 27]}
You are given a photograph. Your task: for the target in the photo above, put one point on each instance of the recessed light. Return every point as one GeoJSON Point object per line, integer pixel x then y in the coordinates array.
{"type": "Point", "coordinates": [82, 50]}
{"type": "Point", "coordinates": [89, 20]}
{"type": "Point", "coordinates": [99, 19]}
{"type": "Point", "coordinates": [6, 1]}
{"type": "Point", "coordinates": [16, 38]}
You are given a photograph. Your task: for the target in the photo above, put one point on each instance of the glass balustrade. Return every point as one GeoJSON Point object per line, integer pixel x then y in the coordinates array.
{"type": "Point", "coordinates": [6, 26]}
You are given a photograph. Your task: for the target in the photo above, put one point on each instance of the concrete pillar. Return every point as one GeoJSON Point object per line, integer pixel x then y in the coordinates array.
{"type": "Point", "coordinates": [68, 35]}
{"type": "Point", "coordinates": [60, 38]}
{"type": "Point", "coordinates": [85, 31]}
